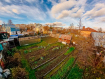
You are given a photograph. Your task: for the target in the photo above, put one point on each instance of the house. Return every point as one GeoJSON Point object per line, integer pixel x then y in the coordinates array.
{"type": "Point", "coordinates": [86, 32]}
{"type": "Point", "coordinates": [11, 29]}
{"type": "Point", "coordinates": [65, 39]}
{"type": "Point", "coordinates": [99, 39]}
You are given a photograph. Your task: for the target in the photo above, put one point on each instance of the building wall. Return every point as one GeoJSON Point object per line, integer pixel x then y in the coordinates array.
{"type": "Point", "coordinates": [99, 39]}
{"type": "Point", "coordinates": [85, 33]}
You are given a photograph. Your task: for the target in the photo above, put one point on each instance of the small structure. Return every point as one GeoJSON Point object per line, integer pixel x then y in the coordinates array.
{"type": "Point", "coordinates": [29, 40]}
{"type": "Point", "coordinates": [65, 39]}
{"type": "Point", "coordinates": [99, 39]}
{"type": "Point", "coordinates": [86, 32]}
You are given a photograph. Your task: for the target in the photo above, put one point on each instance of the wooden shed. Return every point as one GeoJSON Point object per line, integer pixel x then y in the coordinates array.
{"type": "Point", "coordinates": [65, 39]}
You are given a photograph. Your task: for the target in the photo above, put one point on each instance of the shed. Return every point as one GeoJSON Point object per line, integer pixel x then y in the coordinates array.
{"type": "Point", "coordinates": [65, 39]}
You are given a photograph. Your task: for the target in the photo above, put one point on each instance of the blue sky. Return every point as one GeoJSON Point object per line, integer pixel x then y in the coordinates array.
{"type": "Point", "coordinates": [61, 12]}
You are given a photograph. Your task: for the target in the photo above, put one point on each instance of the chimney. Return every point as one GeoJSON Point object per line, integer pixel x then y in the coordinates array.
{"type": "Point", "coordinates": [83, 27]}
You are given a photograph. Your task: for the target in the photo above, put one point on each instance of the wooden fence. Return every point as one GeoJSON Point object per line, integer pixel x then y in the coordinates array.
{"type": "Point", "coordinates": [29, 40]}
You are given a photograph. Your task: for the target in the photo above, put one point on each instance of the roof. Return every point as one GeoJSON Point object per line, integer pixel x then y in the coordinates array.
{"type": "Point", "coordinates": [68, 37]}
{"type": "Point", "coordinates": [88, 29]}
{"type": "Point", "coordinates": [6, 25]}
{"type": "Point", "coordinates": [3, 32]}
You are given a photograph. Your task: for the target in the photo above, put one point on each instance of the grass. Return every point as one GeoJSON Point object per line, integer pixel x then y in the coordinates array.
{"type": "Point", "coordinates": [69, 51]}
{"type": "Point", "coordinates": [25, 64]}
{"type": "Point", "coordinates": [28, 69]}
{"type": "Point", "coordinates": [75, 73]}
{"type": "Point", "coordinates": [64, 69]}
{"type": "Point", "coordinates": [50, 40]}
{"type": "Point", "coordinates": [30, 41]}
{"type": "Point", "coordinates": [28, 46]}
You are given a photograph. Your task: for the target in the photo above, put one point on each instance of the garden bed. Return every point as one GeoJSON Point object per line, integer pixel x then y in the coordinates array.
{"type": "Point", "coordinates": [63, 69]}
{"type": "Point", "coordinates": [49, 55]}
{"type": "Point", "coordinates": [47, 67]}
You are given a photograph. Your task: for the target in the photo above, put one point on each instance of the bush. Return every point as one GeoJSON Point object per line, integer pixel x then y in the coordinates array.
{"type": "Point", "coordinates": [19, 73]}
{"type": "Point", "coordinates": [17, 56]}
{"type": "Point", "coordinates": [11, 52]}
{"type": "Point", "coordinates": [11, 62]}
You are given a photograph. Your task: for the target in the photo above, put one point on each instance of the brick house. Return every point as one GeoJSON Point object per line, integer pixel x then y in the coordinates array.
{"type": "Point", "coordinates": [65, 39]}
{"type": "Point", "coordinates": [86, 32]}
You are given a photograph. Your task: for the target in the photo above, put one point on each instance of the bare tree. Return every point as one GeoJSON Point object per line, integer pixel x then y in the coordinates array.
{"type": "Point", "coordinates": [10, 22]}
{"type": "Point", "coordinates": [100, 29]}
{"type": "Point", "coordinates": [71, 26]}
{"type": "Point", "coordinates": [80, 24]}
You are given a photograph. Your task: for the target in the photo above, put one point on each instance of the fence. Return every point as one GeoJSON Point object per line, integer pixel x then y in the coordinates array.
{"type": "Point", "coordinates": [55, 35]}
{"type": "Point", "coordinates": [29, 40]}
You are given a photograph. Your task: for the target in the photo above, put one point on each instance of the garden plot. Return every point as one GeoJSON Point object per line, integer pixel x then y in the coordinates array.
{"type": "Point", "coordinates": [60, 73]}
{"type": "Point", "coordinates": [47, 55]}
{"type": "Point", "coordinates": [75, 73]}
{"type": "Point", "coordinates": [41, 71]}
{"type": "Point", "coordinates": [42, 50]}
{"type": "Point", "coordinates": [47, 68]}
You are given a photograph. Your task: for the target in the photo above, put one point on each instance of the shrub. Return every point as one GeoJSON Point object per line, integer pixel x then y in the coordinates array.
{"type": "Point", "coordinates": [11, 62]}
{"type": "Point", "coordinates": [11, 51]}
{"type": "Point", "coordinates": [26, 51]}
{"type": "Point", "coordinates": [17, 55]}
{"type": "Point", "coordinates": [19, 73]}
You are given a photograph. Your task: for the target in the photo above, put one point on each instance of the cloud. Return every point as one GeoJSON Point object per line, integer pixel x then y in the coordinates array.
{"type": "Point", "coordinates": [1, 22]}
{"type": "Point", "coordinates": [42, 1]}
{"type": "Point", "coordinates": [56, 24]}
{"type": "Point", "coordinates": [62, 6]}
{"type": "Point", "coordinates": [71, 8]}
{"type": "Point", "coordinates": [103, 19]}
{"type": "Point", "coordinates": [60, 1]}
{"type": "Point", "coordinates": [66, 13]}
{"type": "Point", "coordinates": [8, 1]}
{"type": "Point", "coordinates": [53, 2]}
{"type": "Point", "coordinates": [97, 11]}
{"type": "Point", "coordinates": [31, 12]}
{"type": "Point", "coordinates": [31, 0]}
{"type": "Point", "coordinates": [15, 11]}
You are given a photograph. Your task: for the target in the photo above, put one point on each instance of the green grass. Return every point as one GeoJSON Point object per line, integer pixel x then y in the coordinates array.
{"type": "Point", "coordinates": [28, 46]}
{"type": "Point", "coordinates": [30, 41]}
{"type": "Point", "coordinates": [75, 73]}
{"type": "Point", "coordinates": [64, 69]}
{"type": "Point", "coordinates": [69, 51]}
{"type": "Point", "coordinates": [28, 69]}
{"type": "Point", "coordinates": [50, 40]}
{"type": "Point", "coordinates": [25, 64]}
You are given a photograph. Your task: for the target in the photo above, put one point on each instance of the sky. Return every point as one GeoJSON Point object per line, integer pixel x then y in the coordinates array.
{"type": "Point", "coordinates": [60, 12]}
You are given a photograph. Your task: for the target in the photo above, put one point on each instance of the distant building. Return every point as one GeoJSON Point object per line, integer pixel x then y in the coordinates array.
{"type": "Point", "coordinates": [38, 28]}
{"type": "Point", "coordinates": [99, 39]}
{"type": "Point", "coordinates": [86, 32]}
{"type": "Point", "coordinates": [65, 39]}
{"type": "Point", "coordinates": [12, 29]}
{"type": "Point", "coordinates": [58, 28]}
